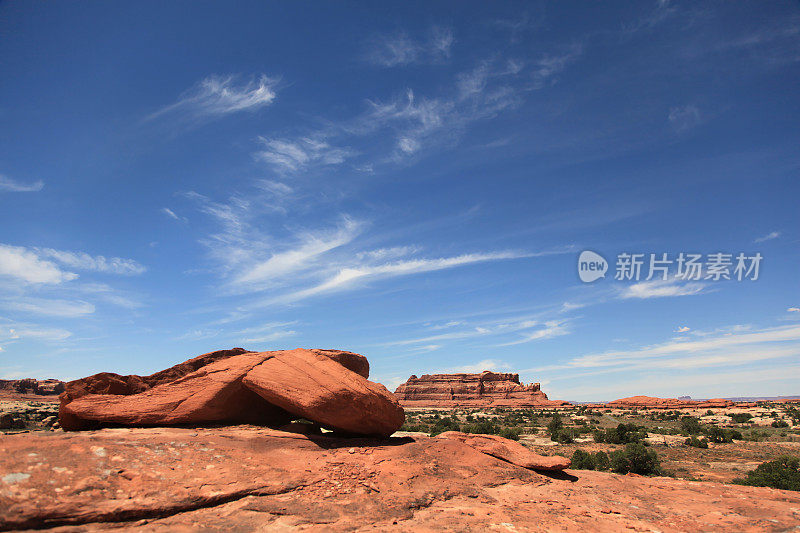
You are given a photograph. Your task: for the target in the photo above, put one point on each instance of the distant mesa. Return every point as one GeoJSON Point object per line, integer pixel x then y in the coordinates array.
{"type": "Point", "coordinates": [649, 402]}
{"type": "Point", "coordinates": [487, 389]}
{"type": "Point", "coordinates": [30, 388]}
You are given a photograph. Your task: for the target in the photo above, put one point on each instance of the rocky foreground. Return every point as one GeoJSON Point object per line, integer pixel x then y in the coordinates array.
{"type": "Point", "coordinates": [244, 478]}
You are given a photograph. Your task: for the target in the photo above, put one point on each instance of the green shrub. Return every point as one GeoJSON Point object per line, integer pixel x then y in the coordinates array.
{"type": "Point", "coordinates": [601, 461]}
{"type": "Point", "coordinates": [780, 424]}
{"type": "Point", "coordinates": [444, 424]}
{"type": "Point", "coordinates": [690, 425]}
{"type": "Point", "coordinates": [582, 460]}
{"type": "Point", "coordinates": [510, 433]}
{"type": "Point", "coordinates": [635, 458]}
{"type": "Point", "coordinates": [555, 425]}
{"type": "Point", "coordinates": [622, 434]}
{"type": "Point", "coordinates": [484, 427]}
{"type": "Point", "coordinates": [741, 418]}
{"type": "Point", "coordinates": [694, 442]}
{"type": "Point", "coordinates": [783, 473]}
{"type": "Point", "coordinates": [564, 436]}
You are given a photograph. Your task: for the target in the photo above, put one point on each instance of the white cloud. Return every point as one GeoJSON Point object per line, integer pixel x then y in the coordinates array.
{"type": "Point", "coordinates": [109, 294]}
{"type": "Point", "coordinates": [399, 49]}
{"type": "Point", "coordinates": [682, 329]}
{"type": "Point", "coordinates": [684, 118]}
{"type": "Point", "coordinates": [769, 236]}
{"type": "Point", "coordinates": [171, 214]}
{"type": "Point", "coordinates": [9, 185]}
{"type": "Point", "coordinates": [548, 66]}
{"type": "Point", "coordinates": [414, 123]}
{"type": "Point", "coordinates": [347, 277]}
{"type": "Point", "coordinates": [23, 331]}
{"type": "Point", "coordinates": [311, 246]}
{"type": "Point", "coordinates": [487, 364]}
{"type": "Point", "coordinates": [661, 289]}
{"type": "Point", "coordinates": [722, 344]}
{"type": "Point", "coordinates": [97, 263]}
{"type": "Point", "coordinates": [48, 307]}
{"type": "Point", "coordinates": [793, 310]}
{"type": "Point", "coordinates": [26, 265]}
{"type": "Point", "coordinates": [553, 328]}
{"type": "Point", "coordinates": [220, 95]}
{"type": "Point", "coordinates": [531, 328]}
{"type": "Point", "coordinates": [287, 155]}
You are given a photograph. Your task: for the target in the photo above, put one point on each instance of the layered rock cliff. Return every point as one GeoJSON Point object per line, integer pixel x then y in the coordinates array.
{"type": "Point", "coordinates": [30, 387]}
{"type": "Point", "coordinates": [487, 389]}
{"type": "Point", "coordinates": [649, 402]}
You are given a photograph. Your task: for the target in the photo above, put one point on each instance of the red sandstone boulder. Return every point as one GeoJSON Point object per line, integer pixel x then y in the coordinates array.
{"type": "Point", "coordinates": [508, 450]}
{"type": "Point", "coordinates": [213, 393]}
{"type": "Point", "coordinates": [108, 383]}
{"type": "Point", "coordinates": [326, 386]}
{"type": "Point", "coordinates": [313, 386]}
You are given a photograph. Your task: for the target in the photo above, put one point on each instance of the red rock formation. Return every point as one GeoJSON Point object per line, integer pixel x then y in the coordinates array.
{"type": "Point", "coordinates": [30, 386]}
{"type": "Point", "coordinates": [508, 450]}
{"type": "Point", "coordinates": [649, 402]}
{"type": "Point", "coordinates": [255, 479]}
{"type": "Point", "coordinates": [316, 387]}
{"type": "Point", "coordinates": [237, 386]}
{"type": "Point", "coordinates": [488, 389]}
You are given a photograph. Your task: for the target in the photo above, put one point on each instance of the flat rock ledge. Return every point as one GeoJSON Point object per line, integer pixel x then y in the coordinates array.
{"type": "Point", "coordinates": [247, 478]}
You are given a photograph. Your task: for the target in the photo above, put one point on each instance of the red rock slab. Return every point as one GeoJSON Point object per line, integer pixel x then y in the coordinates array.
{"type": "Point", "coordinates": [315, 387]}
{"type": "Point", "coordinates": [508, 450]}
{"type": "Point", "coordinates": [131, 474]}
{"type": "Point", "coordinates": [214, 393]}
{"type": "Point", "coordinates": [242, 478]}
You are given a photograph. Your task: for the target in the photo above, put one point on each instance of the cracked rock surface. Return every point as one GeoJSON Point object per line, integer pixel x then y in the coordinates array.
{"type": "Point", "coordinates": [245, 478]}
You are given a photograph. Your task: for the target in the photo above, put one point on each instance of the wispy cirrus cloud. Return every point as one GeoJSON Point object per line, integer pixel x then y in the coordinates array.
{"type": "Point", "coordinates": [683, 118]}
{"type": "Point", "coordinates": [398, 49]}
{"type": "Point", "coordinates": [349, 277]}
{"type": "Point", "coordinates": [734, 346]}
{"type": "Point", "coordinates": [493, 365]}
{"type": "Point", "coordinates": [96, 263]}
{"type": "Point", "coordinates": [217, 96]}
{"type": "Point", "coordinates": [11, 331]}
{"type": "Point", "coordinates": [547, 67]}
{"type": "Point", "coordinates": [410, 123]}
{"type": "Point", "coordinates": [9, 185]}
{"type": "Point", "coordinates": [552, 328]}
{"type": "Point", "coordinates": [49, 307]}
{"type": "Point", "coordinates": [768, 237]}
{"type": "Point", "coordinates": [518, 330]}
{"type": "Point", "coordinates": [291, 155]}
{"type": "Point", "coordinates": [310, 246]}
{"type": "Point", "coordinates": [173, 215]}
{"type": "Point", "coordinates": [661, 289]}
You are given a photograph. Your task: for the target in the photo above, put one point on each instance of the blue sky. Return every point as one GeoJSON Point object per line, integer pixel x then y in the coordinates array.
{"type": "Point", "coordinates": [413, 182]}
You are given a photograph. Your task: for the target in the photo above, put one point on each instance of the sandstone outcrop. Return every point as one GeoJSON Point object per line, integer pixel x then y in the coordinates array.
{"type": "Point", "coordinates": [508, 450]}
{"type": "Point", "coordinates": [244, 478]}
{"type": "Point", "coordinates": [22, 388]}
{"type": "Point", "coordinates": [649, 402]}
{"type": "Point", "coordinates": [487, 389]}
{"type": "Point", "coordinates": [316, 387]}
{"type": "Point", "coordinates": [237, 386]}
